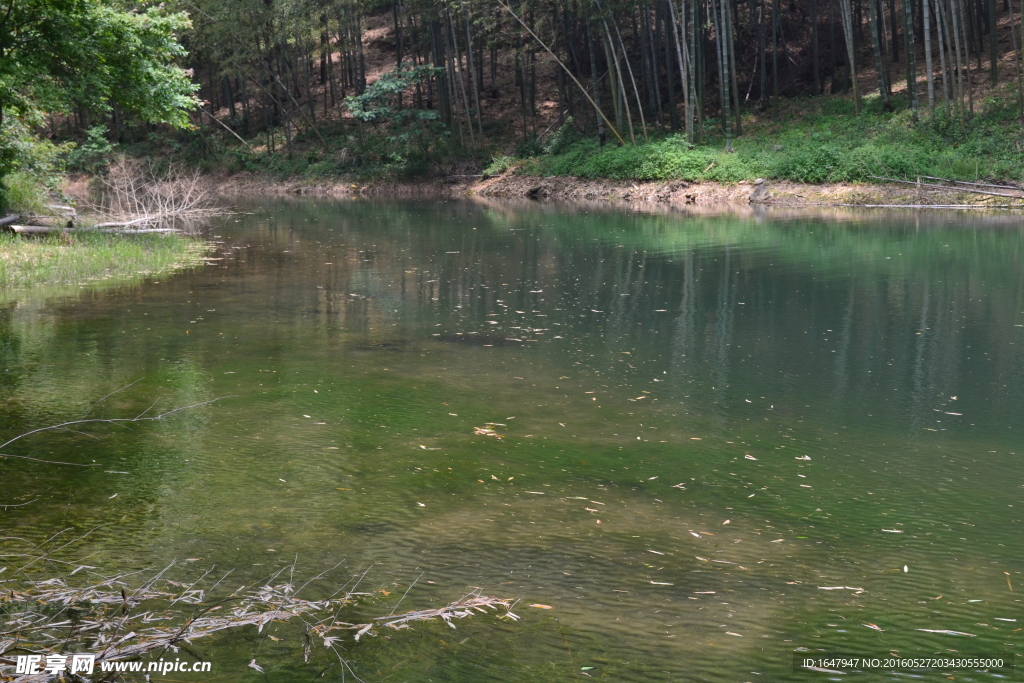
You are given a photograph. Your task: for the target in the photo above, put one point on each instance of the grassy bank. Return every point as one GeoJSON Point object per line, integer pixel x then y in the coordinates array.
{"type": "Point", "coordinates": [813, 140]}
{"type": "Point", "coordinates": [806, 140]}
{"type": "Point", "coordinates": [85, 258]}
{"type": "Point", "coordinates": [817, 140]}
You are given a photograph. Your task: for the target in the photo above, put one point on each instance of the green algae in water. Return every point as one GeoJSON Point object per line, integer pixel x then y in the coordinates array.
{"type": "Point", "coordinates": [844, 391]}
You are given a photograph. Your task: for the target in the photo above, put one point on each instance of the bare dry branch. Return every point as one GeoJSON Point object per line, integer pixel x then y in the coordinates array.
{"type": "Point", "coordinates": [49, 617]}
{"type": "Point", "coordinates": [136, 193]}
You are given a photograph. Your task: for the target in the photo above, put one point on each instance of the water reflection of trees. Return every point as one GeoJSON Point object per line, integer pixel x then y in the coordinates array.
{"type": "Point", "coordinates": [852, 314]}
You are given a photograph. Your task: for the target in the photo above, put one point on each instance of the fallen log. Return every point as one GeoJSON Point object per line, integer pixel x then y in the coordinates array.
{"type": "Point", "coordinates": [947, 187]}
{"type": "Point", "coordinates": [927, 206]}
{"type": "Point", "coordinates": [45, 229]}
{"type": "Point", "coordinates": [967, 182]}
{"type": "Point", "coordinates": [124, 224]}
{"type": "Point", "coordinates": [7, 220]}
{"type": "Point", "coordinates": [141, 231]}
{"type": "Point", "coordinates": [36, 229]}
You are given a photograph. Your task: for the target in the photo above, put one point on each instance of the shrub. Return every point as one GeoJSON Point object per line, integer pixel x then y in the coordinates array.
{"type": "Point", "coordinates": [812, 164]}
{"type": "Point", "coordinates": [498, 166]}
{"type": "Point", "coordinates": [23, 193]}
{"type": "Point", "coordinates": [91, 156]}
{"type": "Point", "coordinates": [562, 138]}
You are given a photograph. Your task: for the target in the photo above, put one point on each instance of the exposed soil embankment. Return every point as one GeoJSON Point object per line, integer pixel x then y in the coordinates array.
{"type": "Point", "coordinates": [670, 192]}
{"type": "Point", "coordinates": [251, 185]}
{"type": "Point", "coordinates": [680, 192]}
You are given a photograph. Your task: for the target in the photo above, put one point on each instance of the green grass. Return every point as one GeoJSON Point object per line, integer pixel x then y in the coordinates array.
{"type": "Point", "coordinates": [816, 140]}
{"type": "Point", "coordinates": [86, 258]}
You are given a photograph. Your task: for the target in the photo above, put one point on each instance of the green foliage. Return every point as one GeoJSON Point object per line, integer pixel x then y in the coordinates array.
{"type": "Point", "coordinates": [817, 164]}
{"type": "Point", "coordinates": [23, 193]}
{"type": "Point", "coordinates": [562, 138]}
{"type": "Point", "coordinates": [817, 141]}
{"type": "Point", "coordinates": [498, 166]}
{"type": "Point", "coordinates": [529, 148]}
{"type": "Point", "coordinates": [668, 158]}
{"type": "Point", "coordinates": [91, 156]}
{"type": "Point", "coordinates": [34, 167]}
{"type": "Point", "coordinates": [53, 52]}
{"type": "Point", "coordinates": [377, 102]}
{"type": "Point", "coordinates": [92, 53]}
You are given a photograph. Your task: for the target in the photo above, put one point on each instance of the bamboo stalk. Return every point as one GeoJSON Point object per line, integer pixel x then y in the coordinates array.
{"type": "Point", "coordinates": [636, 92]}
{"type": "Point", "coordinates": [846, 13]}
{"type": "Point", "coordinates": [1016, 61]}
{"type": "Point", "coordinates": [928, 55]}
{"type": "Point", "coordinates": [910, 53]}
{"type": "Point", "coordinates": [555, 57]}
{"type": "Point", "coordinates": [876, 46]}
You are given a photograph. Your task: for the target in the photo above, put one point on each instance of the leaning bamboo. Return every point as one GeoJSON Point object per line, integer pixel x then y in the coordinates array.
{"type": "Point", "coordinates": [559, 62]}
{"type": "Point", "coordinates": [629, 69]}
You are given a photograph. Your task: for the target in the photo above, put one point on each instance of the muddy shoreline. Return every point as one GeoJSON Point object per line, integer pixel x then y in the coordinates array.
{"type": "Point", "coordinates": [672, 193]}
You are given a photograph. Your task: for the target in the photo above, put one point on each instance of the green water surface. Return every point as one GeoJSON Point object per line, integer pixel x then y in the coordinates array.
{"type": "Point", "coordinates": [703, 421]}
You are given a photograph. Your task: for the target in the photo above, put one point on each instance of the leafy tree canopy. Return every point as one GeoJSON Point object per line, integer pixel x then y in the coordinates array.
{"type": "Point", "coordinates": [94, 53]}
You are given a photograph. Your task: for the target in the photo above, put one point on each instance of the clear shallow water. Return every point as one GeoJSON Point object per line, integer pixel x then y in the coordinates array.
{"type": "Point", "coordinates": [845, 391]}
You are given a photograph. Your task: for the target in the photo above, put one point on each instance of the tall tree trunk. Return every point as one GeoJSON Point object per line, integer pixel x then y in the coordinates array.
{"type": "Point", "coordinates": [885, 45]}
{"type": "Point", "coordinates": [894, 40]}
{"type": "Point", "coordinates": [814, 47]}
{"type": "Point", "coordinates": [993, 43]}
{"type": "Point", "coordinates": [601, 134]}
{"type": "Point", "coordinates": [832, 44]}
{"type": "Point", "coordinates": [730, 35]}
{"type": "Point", "coordinates": [846, 10]}
{"type": "Point", "coordinates": [955, 28]}
{"type": "Point", "coordinates": [683, 56]}
{"type": "Point", "coordinates": [636, 92]}
{"type": "Point", "coordinates": [775, 48]}
{"type": "Point", "coordinates": [667, 45]}
{"type": "Point", "coordinates": [945, 57]}
{"type": "Point", "coordinates": [619, 90]}
{"type": "Point", "coordinates": [961, 6]}
{"type": "Point", "coordinates": [876, 45]}
{"type": "Point", "coordinates": [718, 18]}
{"type": "Point", "coordinates": [1017, 51]}
{"type": "Point", "coordinates": [929, 69]}
{"type": "Point", "coordinates": [472, 72]}
{"type": "Point", "coordinates": [910, 54]}
{"type": "Point", "coordinates": [762, 94]}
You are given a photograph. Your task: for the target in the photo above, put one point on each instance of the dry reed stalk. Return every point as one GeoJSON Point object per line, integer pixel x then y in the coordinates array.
{"type": "Point", "coordinates": [52, 617]}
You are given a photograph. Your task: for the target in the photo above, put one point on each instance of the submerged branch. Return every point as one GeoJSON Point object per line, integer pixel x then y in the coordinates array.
{"type": "Point", "coordinates": [51, 617]}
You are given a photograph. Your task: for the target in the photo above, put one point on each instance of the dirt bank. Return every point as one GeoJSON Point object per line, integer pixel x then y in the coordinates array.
{"type": "Point", "coordinates": [252, 185]}
{"type": "Point", "coordinates": [671, 193]}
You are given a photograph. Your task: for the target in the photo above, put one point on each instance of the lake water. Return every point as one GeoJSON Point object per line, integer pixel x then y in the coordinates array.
{"type": "Point", "coordinates": [703, 421]}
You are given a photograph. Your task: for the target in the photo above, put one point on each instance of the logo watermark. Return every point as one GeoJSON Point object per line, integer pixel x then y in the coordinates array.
{"type": "Point", "coordinates": [86, 664]}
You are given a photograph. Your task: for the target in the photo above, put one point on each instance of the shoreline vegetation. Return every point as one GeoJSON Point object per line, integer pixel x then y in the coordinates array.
{"type": "Point", "coordinates": [66, 262]}
{"type": "Point", "coordinates": [142, 223]}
